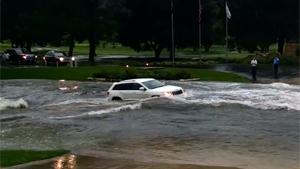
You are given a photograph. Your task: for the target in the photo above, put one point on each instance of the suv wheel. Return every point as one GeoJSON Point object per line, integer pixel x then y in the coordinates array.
{"type": "Point", "coordinates": [116, 99]}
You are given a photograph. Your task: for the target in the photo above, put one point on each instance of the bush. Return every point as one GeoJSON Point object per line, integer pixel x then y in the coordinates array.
{"type": "Point", "coordinates": [168, 75]}
{"type": "Point", "coordinates": [162, 75]}
{"type": "Point", "coordinates": [182, 75]}
{"type": "Point", "coordinates": [129, 74]}
{"type": "Point", "coordinates": [99, 75]}
{"type": "Point", "coordinates": [107, 75]}
{"type": "Point", "coordinates": [132, 73]}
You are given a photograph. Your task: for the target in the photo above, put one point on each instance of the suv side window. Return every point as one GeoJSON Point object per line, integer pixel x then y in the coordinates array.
{"type": "Point", "coordinates": [135, 86]}
{"type": "Point", "coordinates": [119, 87]}
{"type": "Point", "coordinates": [127, 86]}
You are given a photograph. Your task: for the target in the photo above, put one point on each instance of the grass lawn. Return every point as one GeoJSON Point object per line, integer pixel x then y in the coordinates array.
{"type": "Point", "coordinates": [117, 49]}
{"type": "Point", "coordinates": [14, 157]}
{"type": "Point", "coordinates": [116, 72]}
{"type": "Point", "coordinates": [215, 55]}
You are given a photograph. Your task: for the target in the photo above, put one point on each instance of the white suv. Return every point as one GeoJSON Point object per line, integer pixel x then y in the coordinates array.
{"type": "Point", "coordinates": [135, 89]}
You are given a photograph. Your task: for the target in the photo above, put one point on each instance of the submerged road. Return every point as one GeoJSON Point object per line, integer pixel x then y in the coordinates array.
{"type": "Point", "coordinates": [217, 124]}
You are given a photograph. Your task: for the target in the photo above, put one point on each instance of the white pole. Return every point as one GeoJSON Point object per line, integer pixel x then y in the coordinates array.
{"type": "Point", "coordinates": [226, 31]}
{"type": "Point", "coordinates": [199, 20]}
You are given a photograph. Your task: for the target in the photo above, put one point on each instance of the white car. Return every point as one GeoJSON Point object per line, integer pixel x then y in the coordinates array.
{"type": "Point", "coordinates": [135, 89]}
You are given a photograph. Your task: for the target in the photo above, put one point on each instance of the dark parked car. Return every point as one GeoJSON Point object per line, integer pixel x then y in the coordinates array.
{"type": "Point", "coordinates": [57, 58]}
{"type": "Point", "coordinates": [20, 56]}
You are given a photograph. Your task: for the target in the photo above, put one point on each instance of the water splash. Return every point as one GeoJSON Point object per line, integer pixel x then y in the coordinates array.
{"type": "Point", "coordinates": [90, 101]}
{"type": "Point", "coordinates": [105, 111]}
{"type": "Point", "coordinates": [10, 103]}
{"type": "Point", "coordinates": [261, 96]}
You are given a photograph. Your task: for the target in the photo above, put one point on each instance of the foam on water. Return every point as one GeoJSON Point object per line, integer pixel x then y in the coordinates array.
{"type": "Point", "coordinates": [262, 96]}
{"type": "Point", "coordinates": [282, 85]}
{"type": "Point", "coordinates": [126, 107]}
{"type": "Point", "coordinates": [10, 103]}
{"type": "Point", "coordinates": [91, 101]}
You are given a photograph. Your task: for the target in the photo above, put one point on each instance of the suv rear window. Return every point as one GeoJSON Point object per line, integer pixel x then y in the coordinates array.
{"type": "Point", "coordinates": [127, 86]}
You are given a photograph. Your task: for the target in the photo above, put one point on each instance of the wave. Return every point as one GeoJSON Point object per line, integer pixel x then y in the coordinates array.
{"type": "Point", "coordinates": [273, 96]}
{"type": "Point", "coordinates": [282, 85]}
{"type": "Point", "coordinates": [10, 103]}
{"type": "Point", "coordinates": [262, 106]}
{"type": "Point", "coordinates": [127, 107]}
{"type": "Point", "coordinates": [92, 101]}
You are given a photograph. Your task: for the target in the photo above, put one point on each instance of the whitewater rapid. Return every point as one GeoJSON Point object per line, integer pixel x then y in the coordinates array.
{"type": "Point", "coordinates": [12, 103]}
{"type": "Point", "coordinates": [259, 96]}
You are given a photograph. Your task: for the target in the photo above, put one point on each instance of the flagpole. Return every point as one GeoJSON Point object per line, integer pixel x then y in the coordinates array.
{"type": "Point", "coordinates": [172, 32]}
{"type": "Point", "coordinates": [199, 20]}
{"type": "Point", "coordinates": [226, 30]}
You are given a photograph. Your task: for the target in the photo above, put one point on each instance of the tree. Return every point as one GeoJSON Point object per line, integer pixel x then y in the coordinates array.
{"type": "Point", "coordinates": [145, 29]}
{"type": "Point", "coordinates": [100, 23]}
{"type": "Point", "coordinates": [23, 22]}
{"type": "Point", "coordinates": [257, 24]}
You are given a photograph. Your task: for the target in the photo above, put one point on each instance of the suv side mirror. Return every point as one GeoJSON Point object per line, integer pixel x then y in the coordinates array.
{"type": "Point", "coordinates": [142, 89]}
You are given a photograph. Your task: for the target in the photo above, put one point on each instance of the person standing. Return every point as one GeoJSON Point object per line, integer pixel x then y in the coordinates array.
{"type": "Point", "coordinates": [253, 68]}
{"type": "Point", "coordinates": [276, 65]}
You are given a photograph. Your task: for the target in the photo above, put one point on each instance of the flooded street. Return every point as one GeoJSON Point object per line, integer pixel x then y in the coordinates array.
{"type": "Point", "coordinates": [250, 126]}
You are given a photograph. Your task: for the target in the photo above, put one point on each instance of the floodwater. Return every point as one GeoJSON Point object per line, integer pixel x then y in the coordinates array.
{"type": "Point", "coordinates": [251, 126]}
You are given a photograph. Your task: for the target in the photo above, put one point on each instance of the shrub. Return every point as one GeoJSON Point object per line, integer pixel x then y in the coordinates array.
{"type": "Point", "coordinates": [182, 75]}
{"type": "Point", "coordinates": [162, 75]}
{"type": "Point", "coordinates": [132, 73]}
{"type": "Point", "coordinates": [129, 74]}
{"type": "Point", "coordinates": [168, 75]}
{"type": "Point", "coordinates": [99, 75]}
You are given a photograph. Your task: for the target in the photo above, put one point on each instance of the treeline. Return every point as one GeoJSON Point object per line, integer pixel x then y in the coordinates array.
{"type": "Point", "coordinates": [146, 25]}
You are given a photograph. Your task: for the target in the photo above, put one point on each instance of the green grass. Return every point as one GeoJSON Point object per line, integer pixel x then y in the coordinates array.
{"type": "Point", "coordinates": [216, 54]}
{"type": "Point", "coordinates": [109, 49]}
{"type": "Point", "coordinates": [116, 72]}
{"type": "Point", "coordinates": [14, 157]}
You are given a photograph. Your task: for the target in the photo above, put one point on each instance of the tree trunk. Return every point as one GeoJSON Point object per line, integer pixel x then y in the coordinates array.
{"type": "Point", "coordinates": [92, 7]}
{"type": "Point", "coordinates": [207, 47]}
{"type": "Point", "coordinates": [92, 49]}
{"type": "Point", "coordinates": [71, 46]}
{"type": "Point", "coordinates": [157, 52]}
{"type": "Point", "coordinates": [280, 44]}
{"type": "Point", "coordinates": [28, 46]}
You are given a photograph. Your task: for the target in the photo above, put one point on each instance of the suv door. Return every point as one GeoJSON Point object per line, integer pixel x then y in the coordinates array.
{"type": "Point", "coordinates": [133, 92]}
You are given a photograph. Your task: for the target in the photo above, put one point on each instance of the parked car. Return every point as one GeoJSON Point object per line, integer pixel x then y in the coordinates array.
{"type": "Point", "coordinates": [57, 58]}
{"type": "Point", "coordinates": [20, 56]}
{"type": "Point", "coordinates": [135, 89]}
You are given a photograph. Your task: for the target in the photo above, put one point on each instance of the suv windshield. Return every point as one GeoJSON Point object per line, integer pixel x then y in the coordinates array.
{"type": "Point", "coordinates": [152, 84]}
